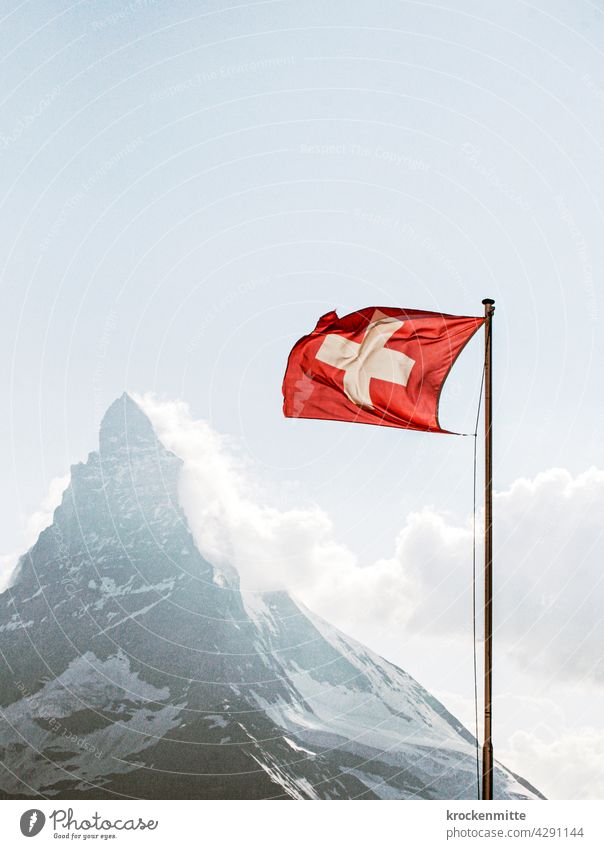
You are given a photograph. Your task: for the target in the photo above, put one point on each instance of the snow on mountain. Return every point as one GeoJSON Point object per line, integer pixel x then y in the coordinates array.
{"type": "Point", "coordinates": [132, 667]}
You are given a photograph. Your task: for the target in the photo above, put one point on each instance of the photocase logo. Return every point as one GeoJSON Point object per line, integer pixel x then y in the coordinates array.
{"type": "Point", "coordinates": [32, 822]}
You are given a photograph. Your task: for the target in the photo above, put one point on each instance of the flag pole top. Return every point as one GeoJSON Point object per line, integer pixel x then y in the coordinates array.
{"type": "Point", "coordinates": [488, 301]}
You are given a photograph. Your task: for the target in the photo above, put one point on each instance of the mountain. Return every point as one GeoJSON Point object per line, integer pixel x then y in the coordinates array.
{"type": "Point", "coordinates": [131, 667]}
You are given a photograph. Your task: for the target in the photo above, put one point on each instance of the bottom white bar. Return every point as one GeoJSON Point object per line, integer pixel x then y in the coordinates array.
{"type": "Point", "coordinates": [303, 825]}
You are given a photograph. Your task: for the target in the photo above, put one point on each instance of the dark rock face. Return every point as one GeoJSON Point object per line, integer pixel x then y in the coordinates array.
{"type": "Point", "coordinates": [130, 667]}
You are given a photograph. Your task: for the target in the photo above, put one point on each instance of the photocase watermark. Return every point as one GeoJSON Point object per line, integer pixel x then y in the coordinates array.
{"type": "Point", "coordinates": [595, 89]}
{"type": "Point", "coordinates": [473, 155]}
{"type": "Point", "coordinates": [583, 255]}
{"type": "Point", "coordinates": [89, 827]}
{"type": "Point", "coordinates": [68, 581]}
{"type": "Point", "coordinates": [413, 234]}
{"type": "Point", "coordinates": [117, 17]}
{"type": "Point", "coordinates": [78, 740]}
{"type": "Point", "coordinates": [225, 72]}
{"type": "Point", "coordinates": [380, 154]}
{"type": "Point", "coordinates": [41, 711]}
{"type": "Point", "coordinates": [89, 183]}
{"type": "Point", "coordinates": [211, 315]}
{"type": "Point", "coordinates": [26, 121]}
{"type": "Point", "coordinates": [104, 347]}
{"type": "Point", "coordinates": [62, 547]}
{"type": "Point", "coordinates": [32, 822]}
{"type": "Point", "coordinates": [66, 820]}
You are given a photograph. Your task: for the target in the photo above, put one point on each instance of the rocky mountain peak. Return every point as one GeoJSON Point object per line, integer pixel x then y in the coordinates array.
{"type": "Point", "coordinates": [125, 426]}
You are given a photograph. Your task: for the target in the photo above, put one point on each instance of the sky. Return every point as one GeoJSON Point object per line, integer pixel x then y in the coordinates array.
{"type": "Point", "coordinates": [187, 187]}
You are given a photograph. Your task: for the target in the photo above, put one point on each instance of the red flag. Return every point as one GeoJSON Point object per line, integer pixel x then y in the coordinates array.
{"type": "Point", "coordinates": [379, 365]}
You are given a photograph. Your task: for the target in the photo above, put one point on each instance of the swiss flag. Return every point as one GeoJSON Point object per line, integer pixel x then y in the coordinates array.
{"type": "Point", "coordinates": [379, 365]}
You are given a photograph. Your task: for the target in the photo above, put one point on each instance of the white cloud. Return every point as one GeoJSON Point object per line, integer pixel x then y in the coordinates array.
{"type": "Point", "coordinates": [551, 583]}
{"type": "Point", "coordinates": [271, 548]}
{"type": "Point", "coordinates": [548, 547]}
{"type": "Point", "coordinates": [569, 766]}
{"type": "Point", "coordinates": [7, 567]}
{"type": "Point", "coordinates": [33, 527]}
{"type": "Point", "coordinates": [534, 740]}
{"type": "Point", "coordinates": [42, 517]}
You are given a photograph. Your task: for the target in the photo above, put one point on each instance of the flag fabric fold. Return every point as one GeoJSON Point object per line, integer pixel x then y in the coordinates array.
{"type": "Point", "coordinates": [379, 365]}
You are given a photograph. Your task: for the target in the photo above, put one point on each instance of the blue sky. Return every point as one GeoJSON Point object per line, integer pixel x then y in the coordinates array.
{"type": "Point", "coordinates": [188, 186]}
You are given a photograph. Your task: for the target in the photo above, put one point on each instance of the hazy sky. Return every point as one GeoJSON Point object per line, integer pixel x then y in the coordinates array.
{"type": "Point", "coordinates": [187, 186]}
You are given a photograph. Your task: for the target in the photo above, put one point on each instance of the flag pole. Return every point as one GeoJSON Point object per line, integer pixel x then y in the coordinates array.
{"type": "Point", "coordinates": [487, 749]}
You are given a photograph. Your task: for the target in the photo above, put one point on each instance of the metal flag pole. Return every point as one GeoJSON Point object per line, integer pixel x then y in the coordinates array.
{"type": "Point", "coordinates": [487, 749]}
